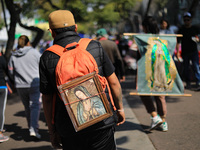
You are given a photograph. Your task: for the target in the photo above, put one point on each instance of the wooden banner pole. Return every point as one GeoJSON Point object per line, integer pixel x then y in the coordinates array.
{"type": "Point", "coordinates": [177, 35]}
{"type": "Point", "coordinates": [152, 94]}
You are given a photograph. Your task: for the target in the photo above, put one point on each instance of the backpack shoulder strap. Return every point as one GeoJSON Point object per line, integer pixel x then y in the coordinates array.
{"type": "Point", "coordinates": [83, 42]}
{"type": "Point", "coordinates": [57, 49]}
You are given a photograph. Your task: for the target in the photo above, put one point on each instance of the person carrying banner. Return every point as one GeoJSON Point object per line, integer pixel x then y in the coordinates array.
{"type": "Point", "coordinates": [165, 27]}
{"type": "Point", "coordinates": [158, 115]}
{"type": "Point", "coordinates": [189, 50]}
{"type": "Point", "coordinates": [62, 133]}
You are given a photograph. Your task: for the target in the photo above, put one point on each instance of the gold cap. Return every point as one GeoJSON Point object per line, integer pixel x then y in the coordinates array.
{"type": "Point", "coordinates": [61, 19]}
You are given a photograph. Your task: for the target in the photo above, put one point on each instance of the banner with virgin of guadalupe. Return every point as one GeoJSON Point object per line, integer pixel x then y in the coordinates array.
{"type": "Point", "coordinates": [157, 73]}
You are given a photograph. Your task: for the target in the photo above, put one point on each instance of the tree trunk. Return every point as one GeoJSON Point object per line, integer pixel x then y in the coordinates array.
{"type": "Point", "coordinates": [148, 7]}
{"type": "Point", "coordinates": [15, 10]}
{"type": "Point", "coordinates": [39, 31]}
{"type": "Point", "coordinates": [193, 7]}
{"type": "Point", "coordinates": [14, 14]}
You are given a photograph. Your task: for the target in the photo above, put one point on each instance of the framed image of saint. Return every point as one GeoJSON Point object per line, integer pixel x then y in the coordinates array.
{"type": "Point", "coordinates": [85, 101]}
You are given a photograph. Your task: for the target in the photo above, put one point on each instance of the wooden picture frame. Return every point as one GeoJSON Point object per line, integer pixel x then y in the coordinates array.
{"type": "Point", "coordinates": [85, 101]}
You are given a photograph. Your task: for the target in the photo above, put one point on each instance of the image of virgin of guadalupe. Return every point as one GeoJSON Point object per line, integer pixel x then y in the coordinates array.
{"type": "Point", "coordinates": [162, 67]}
{"type": "Point", "coordinates": [89, 107]}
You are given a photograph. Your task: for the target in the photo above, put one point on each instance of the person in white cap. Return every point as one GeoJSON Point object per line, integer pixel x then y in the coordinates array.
{"type": "Point", "coordinates": [189, 50]}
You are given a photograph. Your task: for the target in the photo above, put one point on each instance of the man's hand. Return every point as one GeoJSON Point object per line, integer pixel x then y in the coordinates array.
{"type": "Point", "coordinates": [55, 140]}
{"type": "Point", "coordinates": [117, 97]}
{"type": "Point", "coordinates": [121, 117]}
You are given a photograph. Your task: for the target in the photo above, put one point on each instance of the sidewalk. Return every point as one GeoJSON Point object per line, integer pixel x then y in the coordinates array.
{"type": "Point", "coordinates": [130, 135]}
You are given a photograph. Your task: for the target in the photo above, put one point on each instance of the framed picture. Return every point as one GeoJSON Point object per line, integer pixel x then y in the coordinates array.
{"type": "Point", "coordinates": [85, 101]}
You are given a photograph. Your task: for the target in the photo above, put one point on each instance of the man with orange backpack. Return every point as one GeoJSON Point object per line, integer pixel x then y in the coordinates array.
{"type": "Point", "coordinates": [99, 136]}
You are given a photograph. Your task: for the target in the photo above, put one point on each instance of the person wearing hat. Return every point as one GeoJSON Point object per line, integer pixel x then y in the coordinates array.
{"type": "Point", "coordinates": [113, 53]}
{"type": "Point", "coordinates": [62, 133]}
{"type": "Point", "coordinates": [189, 49]}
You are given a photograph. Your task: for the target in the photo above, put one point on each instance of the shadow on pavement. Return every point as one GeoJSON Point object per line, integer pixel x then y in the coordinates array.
{"type": "Point", "coordinates": [35, 148]}
{"type": "Point", "coordinates": [121, 140]}
{"type": "Point", "coordinates": [22, 114]}
{"type": "Point", "coordinates": [122, 149]}
{"type": "Point", "coordinates": [129, 126]}
{"type": "Point", "coordinates": [20, 134]}
{"type": "Point", "coordinates": [13, 98]}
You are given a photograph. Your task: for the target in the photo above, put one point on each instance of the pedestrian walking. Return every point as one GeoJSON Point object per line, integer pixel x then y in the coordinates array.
{"type": "Point", "coordinates": [23, 66]}
{"type": "Point", "coordinates": [122, 43]}
{"type": "Point", "coordinates": [3, 96]}
{"type": "Point", "coordinates": [189, 50]}
{"type": "Point", "coordinates": [62, 133]}
{"type": "Point", "coordinates": [165, 27]}
{"type": "Point", "coordinates": [158, 115]}
{"type": "Point", "coordinates": [113, 53]}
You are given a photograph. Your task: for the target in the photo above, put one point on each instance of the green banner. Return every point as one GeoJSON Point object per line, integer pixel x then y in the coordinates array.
{"type": "Point", "coordinates": [157, 73]}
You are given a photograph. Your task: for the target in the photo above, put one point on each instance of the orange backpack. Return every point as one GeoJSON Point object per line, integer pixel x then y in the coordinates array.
{"type": "Point", "coordinates": [75, 61]}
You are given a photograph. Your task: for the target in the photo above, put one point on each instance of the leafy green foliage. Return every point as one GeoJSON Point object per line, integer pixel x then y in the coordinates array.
{"type": "Point", "coordinates": [124, 7]}
{"type": "Point", "coordinates": [103, 12]}
{"type": "Point", "coordinates": [1, 24]}
{"type": "Point", "coordinates": [106, 15]}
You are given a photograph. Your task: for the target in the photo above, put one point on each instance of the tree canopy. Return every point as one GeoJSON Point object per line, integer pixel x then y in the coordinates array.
{"type": "Point", "coordinates": [89, 13]}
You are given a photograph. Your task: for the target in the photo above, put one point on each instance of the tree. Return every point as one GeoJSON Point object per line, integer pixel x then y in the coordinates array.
{"type": "Point", "coordinates": [14, 16]}
{"type": "Point", "coordinates": [1, 20]}
{"type": "Point", "coordinates": [125, 7]}
{"type": "Point", "coordinates": [105, 13]}
{"type": "Point", "coordinates": [15, 9]}
{"type": "Point", "coordinates": [193, 7]}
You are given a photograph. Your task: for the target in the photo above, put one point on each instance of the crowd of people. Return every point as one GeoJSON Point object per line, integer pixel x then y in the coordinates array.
{"type": "Point", "coordinates": [33, 75]}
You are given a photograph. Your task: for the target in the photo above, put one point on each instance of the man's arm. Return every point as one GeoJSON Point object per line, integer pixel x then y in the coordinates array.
{"type": "Point", "coordinates": [47, 101]}
{"type": "Point", "coordinates": [11, 70]}
{"type": "Point", "coordinates": [117, 96]}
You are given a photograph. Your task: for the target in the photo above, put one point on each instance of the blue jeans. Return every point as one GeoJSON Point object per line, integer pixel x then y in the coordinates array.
{"type": "Point", "coordinates": [31, 100]}
{"type": "Point", "coordinates": [194, 57]}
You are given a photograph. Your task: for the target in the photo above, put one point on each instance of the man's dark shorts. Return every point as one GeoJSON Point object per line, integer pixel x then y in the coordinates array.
{"type": "Point", "coordinates": [98, 140]}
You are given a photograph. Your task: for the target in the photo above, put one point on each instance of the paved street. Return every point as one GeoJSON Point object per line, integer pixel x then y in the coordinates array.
{"type": "Point", "coordinates": [183, 119]}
